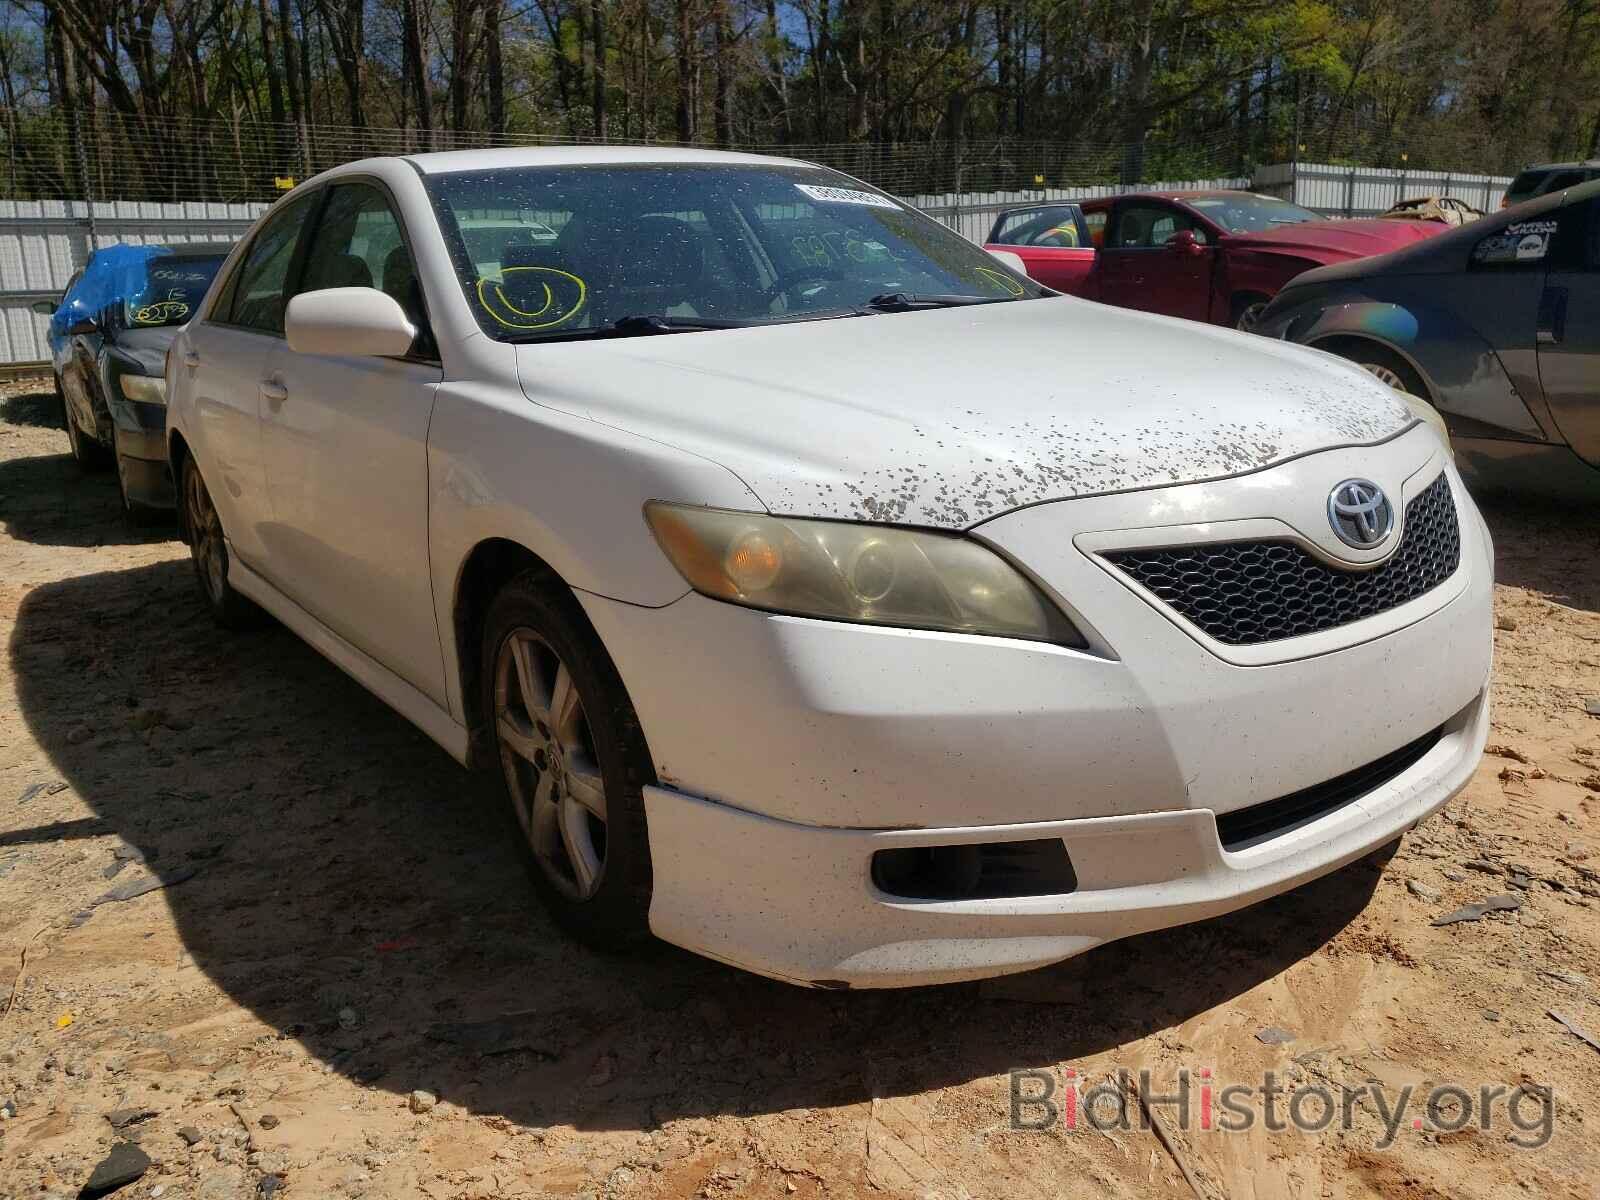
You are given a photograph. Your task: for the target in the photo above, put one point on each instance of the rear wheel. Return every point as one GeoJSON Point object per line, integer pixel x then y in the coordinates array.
{"type": "Point", "coordinates": [573, 761]}
{"type": "Point", "coordinates": [209, 548]}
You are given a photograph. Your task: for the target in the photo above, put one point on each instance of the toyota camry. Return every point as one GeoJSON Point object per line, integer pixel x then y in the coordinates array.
{"type": "Point", "coordinates": [808, 607]}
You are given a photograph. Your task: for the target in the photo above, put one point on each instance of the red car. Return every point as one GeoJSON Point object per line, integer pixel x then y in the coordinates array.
{"type": "Point", "coordinates": [1215, 256]}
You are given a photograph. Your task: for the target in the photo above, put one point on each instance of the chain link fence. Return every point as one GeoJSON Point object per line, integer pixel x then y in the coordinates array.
{"type": "Point", "coordinates": [104, 155]}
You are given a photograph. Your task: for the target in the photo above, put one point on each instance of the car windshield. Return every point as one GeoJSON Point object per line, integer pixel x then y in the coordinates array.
{"type": "Point", "coordinates": [1247, 213]}
{"type": "Point", "coordinates": [166, 289]}
{"type": "Point", "coordinates": [554, 252]}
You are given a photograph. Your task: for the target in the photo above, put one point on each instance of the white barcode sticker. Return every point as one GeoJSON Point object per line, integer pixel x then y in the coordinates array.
{"type": "Point", "coordinates": [838, 195]}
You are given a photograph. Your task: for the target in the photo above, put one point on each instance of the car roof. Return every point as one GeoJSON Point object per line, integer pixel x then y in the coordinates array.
{"type": "Point", "coordinates": [1558, 166]}
{"type": "Point", "coordinates": [1195, 194]}
{"type": "Point", "coordinates": [450, 161]}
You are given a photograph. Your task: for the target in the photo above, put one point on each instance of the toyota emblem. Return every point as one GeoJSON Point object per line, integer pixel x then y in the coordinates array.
{"type": "Point", "coordinates": [1360, 513]}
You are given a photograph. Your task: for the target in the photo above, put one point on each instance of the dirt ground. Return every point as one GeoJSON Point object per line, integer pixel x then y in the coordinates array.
{"type": "Point", "coordinates": [345, 924]}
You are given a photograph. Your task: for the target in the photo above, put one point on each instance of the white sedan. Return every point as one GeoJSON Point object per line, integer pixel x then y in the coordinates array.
{"type": "Point", "coordinates": [829, 598]}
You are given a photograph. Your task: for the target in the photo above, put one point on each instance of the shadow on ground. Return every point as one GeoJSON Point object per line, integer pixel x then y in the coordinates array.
{"type": "Point", "coordinates": [343, 861]}
{"type": "Point", "coordinates": [49, 500]}
{"type": "Point", "coordinates": [40, 408]}
{"type": "Point", "coordinates": [1552, 547]}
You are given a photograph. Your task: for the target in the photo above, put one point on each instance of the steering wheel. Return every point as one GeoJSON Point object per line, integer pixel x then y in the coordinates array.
{"type": "Point", "coordinates": [786, 280]}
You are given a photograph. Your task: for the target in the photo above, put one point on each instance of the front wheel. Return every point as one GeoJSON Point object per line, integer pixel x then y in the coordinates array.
{"type": "Point", "coordinates": [573, 762]}
{"type": "Point", "coordinates": [1247, 312]}
{"type": "Point", "coordinates": [208, 546]}
{"type": "Point", "coordinates": [89, 454]}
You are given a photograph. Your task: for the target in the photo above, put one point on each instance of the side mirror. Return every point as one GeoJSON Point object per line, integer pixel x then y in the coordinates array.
{"type": "Point", "coordinates": [82, 326]}
{"type": "Point", "coordinates": [360, 321]}
{"type": "Point", "coordinates": [1185, 242]}
{"type": "Point", "coordinates": [1012, 260]}
{"type": "Point", "coordinates": [45, 308]}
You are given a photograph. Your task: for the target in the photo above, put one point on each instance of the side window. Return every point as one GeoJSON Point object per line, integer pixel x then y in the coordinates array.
{"type": "Point", "coordinates": [257, 299]}
{"type": "Point", "coordinates": [358, 243]}
{"type": "Point", "coordinates": [1096, 221]}
{"type": "Point", "coordinates": [1148, 226]}
{"type": "Point", "coordinates": [1055, 226]}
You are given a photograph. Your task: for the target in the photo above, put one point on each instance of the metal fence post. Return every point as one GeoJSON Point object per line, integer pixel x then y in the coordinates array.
{"type": "Point", "coordinates": [81, 154]}
{"type": "Point", "coordinates": [1350, 194]}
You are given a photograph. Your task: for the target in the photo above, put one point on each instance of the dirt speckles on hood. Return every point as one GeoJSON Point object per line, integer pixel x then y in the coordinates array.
{"type": "Point", "coordinates": [948, 418]}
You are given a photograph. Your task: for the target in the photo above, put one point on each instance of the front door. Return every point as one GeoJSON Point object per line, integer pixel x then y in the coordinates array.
{"type": "Point", "coordinates": [1569, 329]}
{"type": "Point", "coordinates": [1141, 265]}
{"type": "Point", "coordinates": [345, 440]}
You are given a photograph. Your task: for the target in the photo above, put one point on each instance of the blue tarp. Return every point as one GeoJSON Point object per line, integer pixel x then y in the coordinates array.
{"type": "Point", "coordinates": [113, 274]}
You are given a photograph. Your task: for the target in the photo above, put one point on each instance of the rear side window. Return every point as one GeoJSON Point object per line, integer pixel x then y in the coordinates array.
{"type": "Point", "coordinates": [1056, 227]}
{"type": "Point", "coordinates": [1518, 246]}
{"type": "Point", "coordinates": [254, 297]}
{"type": "Point", "coordinates": [1096, 221]}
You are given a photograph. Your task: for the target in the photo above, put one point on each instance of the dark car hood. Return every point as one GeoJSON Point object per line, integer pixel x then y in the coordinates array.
{"type": "Point", "coordinates": [147, 346]}
{"type": "Point", "coordinates": [1336, 241]}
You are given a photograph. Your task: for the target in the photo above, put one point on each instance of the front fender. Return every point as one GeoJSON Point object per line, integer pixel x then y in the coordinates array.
{"type": "Point", "coordinates": [1464, 376]}
{"type": "Point", "coordinates": [570, 490]}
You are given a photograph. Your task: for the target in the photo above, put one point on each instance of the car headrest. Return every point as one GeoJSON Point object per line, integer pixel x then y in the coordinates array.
{"type": "Point", "coordinates": [345, 270]}
{"type": "Point", "coordinates": [399, 277]}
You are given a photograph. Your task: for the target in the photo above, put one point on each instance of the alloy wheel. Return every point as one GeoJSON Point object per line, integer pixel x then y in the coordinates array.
{"type": "Point", "coordinates": [551, 770]}
{"type": "Point", "coordinates": [1386, 375]}
{"type": "Point", "coordinates": [205, 531]}
{"type": "Point", "coordinates": [1250, 315]}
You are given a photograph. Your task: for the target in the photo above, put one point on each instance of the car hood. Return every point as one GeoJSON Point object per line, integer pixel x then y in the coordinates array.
{"type": "Point", "coordinates": [949, 417]}
{"type": "Point", "coordinates": [1337, 241]}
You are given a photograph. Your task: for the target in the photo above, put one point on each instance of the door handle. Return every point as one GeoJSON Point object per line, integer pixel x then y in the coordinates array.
{"type": "Point", "coordinates": [1552, 325]}
{"type": "Point", "coordinates": [191, 358]}
{"type": "Point", "coordinates": [273, 391]}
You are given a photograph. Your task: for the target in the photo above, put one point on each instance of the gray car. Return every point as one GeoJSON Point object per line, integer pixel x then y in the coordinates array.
{"type": "Point", "coordinates": [1496, 323]}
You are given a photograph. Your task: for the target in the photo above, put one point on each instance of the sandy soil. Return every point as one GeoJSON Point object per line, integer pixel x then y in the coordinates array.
{"type": "Point", "coordinates": [343, 910]}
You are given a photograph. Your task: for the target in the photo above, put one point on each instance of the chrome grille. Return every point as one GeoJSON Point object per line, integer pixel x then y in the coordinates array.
{"type": "Point", "coordinates": [1245, 593]}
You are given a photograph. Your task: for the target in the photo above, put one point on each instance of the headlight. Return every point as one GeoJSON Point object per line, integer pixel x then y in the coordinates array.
{"type": "Point", "coordinates": [843, 571]}
{"type": "Point", "coordinates": [147, 389]}
{"type": "Point", "coordinates": [1424, 411]}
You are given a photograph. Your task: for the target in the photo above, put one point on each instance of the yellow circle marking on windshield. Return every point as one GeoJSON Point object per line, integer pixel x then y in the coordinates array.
{"type": "Point", "coordinates": [485, 286]}
{"type": "Point", "coordinates": [1007, 284]}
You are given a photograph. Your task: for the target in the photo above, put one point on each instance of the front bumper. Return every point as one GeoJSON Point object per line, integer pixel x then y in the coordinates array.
{"type": "Point", "coordinates": [790, 750]}
{"type": "Point", "coordinates": [796, 902]}
{"type": "Point", "coordinates": [140, 433]}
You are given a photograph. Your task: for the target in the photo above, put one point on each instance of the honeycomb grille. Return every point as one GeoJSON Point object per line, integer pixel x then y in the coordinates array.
{"type": "Point", "coordinates": [1246, 593]}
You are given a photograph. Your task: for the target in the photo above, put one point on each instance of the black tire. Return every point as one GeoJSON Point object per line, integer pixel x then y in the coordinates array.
{"type": "Point", "coordinates": [1247, 309]}
{"type": "Point", "coordinates": [89, 454]}
{"type": "Point", "coordinates": [209, 550]}
{"type": "Point", "coordinates": [1385, 364]}
{"type": "Point", "coordinates": [536, 611]}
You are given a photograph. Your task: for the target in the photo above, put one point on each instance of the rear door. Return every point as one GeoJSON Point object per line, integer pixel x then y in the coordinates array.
{"type": "Point", "coordinates": [1053, 242]}
{"type": "Point", "coordinates": [1141, 267]}
{"type": "Point", "coordinates": [345, 443]}
{"type": "Point", "coordinates": [223, 361]}
{"type": "Point", "coordinates": [1569, 329]}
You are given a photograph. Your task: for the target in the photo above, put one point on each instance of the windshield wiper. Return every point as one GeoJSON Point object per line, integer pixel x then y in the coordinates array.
{"type": "Point", "coordinates": [641, 325]}
{"type": "Point", "coordinates": [909, 301]}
